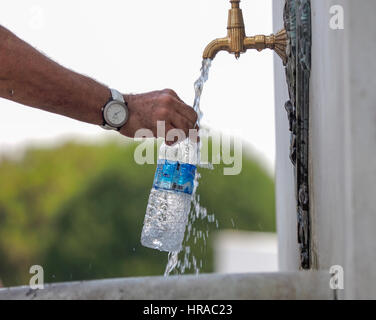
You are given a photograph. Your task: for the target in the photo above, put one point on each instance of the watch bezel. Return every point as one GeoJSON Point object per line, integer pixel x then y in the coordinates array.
{"type": "Point", "coordinates": [108, 121]}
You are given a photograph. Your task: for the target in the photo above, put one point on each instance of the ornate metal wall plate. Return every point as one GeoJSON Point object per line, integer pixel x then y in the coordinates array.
{"type": "Point", "coordinates": [297, 18]}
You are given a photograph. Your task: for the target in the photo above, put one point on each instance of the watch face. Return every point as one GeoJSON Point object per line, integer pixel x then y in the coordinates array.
{"type": "Point", "coordinates": [115, 114]}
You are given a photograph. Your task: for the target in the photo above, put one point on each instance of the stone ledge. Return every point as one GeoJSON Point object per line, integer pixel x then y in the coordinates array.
{"type": "Point", "coordinates": [296, 285]}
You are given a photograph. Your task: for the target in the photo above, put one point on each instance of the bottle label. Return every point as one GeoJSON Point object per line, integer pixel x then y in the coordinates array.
{"type": "Point", "coordinates": [174, 176]}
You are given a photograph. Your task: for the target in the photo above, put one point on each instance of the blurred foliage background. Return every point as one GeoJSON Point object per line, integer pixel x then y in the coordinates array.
{"type": "Point", "coordinates": [78, 210]}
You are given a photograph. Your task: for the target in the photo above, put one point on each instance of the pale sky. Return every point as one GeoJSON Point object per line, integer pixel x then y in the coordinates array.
{"type": "Point", "coordinates": [144, 45]}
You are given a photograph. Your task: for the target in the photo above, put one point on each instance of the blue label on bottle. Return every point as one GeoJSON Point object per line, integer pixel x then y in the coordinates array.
{"type": "Point", "coordinates": [174, 176]}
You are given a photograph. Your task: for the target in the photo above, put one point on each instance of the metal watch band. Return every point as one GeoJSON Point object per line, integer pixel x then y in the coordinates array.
{"type": "Point", "coordinates": [116, 95]}
{"type": "Point", "coordinates": [108, 127]}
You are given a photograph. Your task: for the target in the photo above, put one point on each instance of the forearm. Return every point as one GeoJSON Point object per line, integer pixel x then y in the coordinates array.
{"type": "Point", "coordinates": [30, 78]}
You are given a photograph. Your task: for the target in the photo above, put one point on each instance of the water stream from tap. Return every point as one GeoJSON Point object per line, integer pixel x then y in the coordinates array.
{"type": "Point", "coordinates": [197, 211]}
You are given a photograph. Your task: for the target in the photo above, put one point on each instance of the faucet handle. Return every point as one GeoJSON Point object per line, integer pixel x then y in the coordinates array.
{"type": "Point", "coordinates": [235, 3]}
{"type": "Point", "coordinates": [235, 29]}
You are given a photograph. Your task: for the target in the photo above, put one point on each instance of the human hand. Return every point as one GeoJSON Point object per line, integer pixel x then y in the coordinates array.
{"type": "Point", "coordinates": [165, 105]}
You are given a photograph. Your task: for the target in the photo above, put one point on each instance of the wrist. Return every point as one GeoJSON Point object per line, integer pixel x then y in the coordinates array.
{"type": "Point", "coordinates": [101, 95]}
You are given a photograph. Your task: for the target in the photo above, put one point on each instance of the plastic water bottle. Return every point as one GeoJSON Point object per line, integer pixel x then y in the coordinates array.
{"type": "Point", "coordinates": [170, 198]}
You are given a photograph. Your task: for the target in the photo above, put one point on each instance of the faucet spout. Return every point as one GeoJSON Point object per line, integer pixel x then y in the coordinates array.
{"type": "Point", "coordinates": [237, 42]}
{"type": "Point", "coordinates": [217, 45]}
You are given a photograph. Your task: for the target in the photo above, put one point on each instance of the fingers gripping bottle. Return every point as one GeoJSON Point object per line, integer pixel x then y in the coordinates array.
{"type": "Point", "coordinates": [170, 198]}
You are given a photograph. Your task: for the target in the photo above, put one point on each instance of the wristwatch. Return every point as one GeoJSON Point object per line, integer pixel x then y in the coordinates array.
{"type": "Point", "coordinates": [115, 112]}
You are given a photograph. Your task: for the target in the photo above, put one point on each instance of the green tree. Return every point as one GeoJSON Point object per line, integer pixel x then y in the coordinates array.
{"type": "Point", "coordinates": [78, 210]}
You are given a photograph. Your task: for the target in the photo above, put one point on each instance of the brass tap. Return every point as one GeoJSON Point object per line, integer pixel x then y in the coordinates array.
{"type": "Point", "coordinates": [237, 42]}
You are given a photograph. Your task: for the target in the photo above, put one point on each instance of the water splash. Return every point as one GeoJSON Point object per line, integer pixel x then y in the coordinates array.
{"type": "Point", "coordinates": [197, 213]}
{"type": "Point", "coordinates": [171, 263]}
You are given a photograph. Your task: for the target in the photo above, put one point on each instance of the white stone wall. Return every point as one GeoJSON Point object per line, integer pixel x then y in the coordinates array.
{"type": "Point", "coordinates": [342, 146]}
{"type": "Point", "coordinates": [343, 143]}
